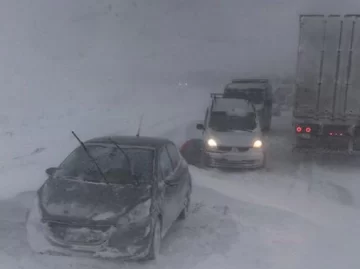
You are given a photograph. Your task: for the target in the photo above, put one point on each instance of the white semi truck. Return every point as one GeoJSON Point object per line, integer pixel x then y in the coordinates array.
{"type": "Point", "coordinates": [326, 113]}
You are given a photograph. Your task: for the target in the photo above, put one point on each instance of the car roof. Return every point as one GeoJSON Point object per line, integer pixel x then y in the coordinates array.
{"type": "Point", "coordinates": [232, 104]}
{"type": "Point", "coordinates": [141, 141]}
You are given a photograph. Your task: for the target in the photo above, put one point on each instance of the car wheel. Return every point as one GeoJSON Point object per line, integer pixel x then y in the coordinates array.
{"type": "Point", "coordinates": [263, 165]}
{"type": "Point", "coordinates": [185, 212]}
{"type": "Point", "coordinates": [204, 160]}
{"type": "Point", "coordinates": [155, 241]}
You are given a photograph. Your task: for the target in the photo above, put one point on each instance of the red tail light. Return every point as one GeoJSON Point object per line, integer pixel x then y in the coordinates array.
{"type": "Point", "coordinates": [308, 130]}
{"type": "Point", "coordinates": [298, 129]}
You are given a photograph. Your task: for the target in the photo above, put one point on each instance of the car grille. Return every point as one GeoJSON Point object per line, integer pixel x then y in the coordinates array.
{"type": "Point", "coordinates": [70, 234]}
{"type": "Point", "coordinates": [227, 148]}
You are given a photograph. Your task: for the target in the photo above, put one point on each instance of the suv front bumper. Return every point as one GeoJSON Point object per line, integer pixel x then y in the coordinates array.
{"type": "Point", "coordinates": [253, 158]}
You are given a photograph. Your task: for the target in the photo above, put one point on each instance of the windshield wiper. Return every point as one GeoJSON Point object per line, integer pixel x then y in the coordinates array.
{"type": "Point", "coordinates": [127, 159]}
{"type": "Point", "coordinates": [91, 157]}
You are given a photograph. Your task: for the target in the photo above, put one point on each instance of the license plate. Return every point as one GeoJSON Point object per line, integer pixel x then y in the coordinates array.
{"type": "Point", "coordinates": [306, 136]}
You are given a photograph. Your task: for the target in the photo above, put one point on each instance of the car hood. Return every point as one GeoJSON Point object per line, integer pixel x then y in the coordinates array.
{"type": "Point", "coordinates": [86, 203]}
{"type": "Point", "coordinates": [233, 138]}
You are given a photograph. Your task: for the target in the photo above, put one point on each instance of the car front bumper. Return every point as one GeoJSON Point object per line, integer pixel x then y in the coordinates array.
{"type": "Point", "coordinates": [130, 242]}
{"type": "Point", "coordinates": [253, 158]}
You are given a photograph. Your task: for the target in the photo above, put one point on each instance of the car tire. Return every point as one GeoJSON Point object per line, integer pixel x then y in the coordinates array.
{"type": "Point", "coordinates": [155, 244]}
{"type": "Point", "coordinates": [204, 160]}
{"type": "Point", "coordinates": [185, 212]}
{"type": "Point", "coordinates": [263, 165]}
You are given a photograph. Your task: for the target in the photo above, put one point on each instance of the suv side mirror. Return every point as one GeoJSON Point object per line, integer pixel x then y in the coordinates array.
{"type": "Point", "coordinates": [200, 126]}
{"type": "Point", "coordinates": [50, 171]}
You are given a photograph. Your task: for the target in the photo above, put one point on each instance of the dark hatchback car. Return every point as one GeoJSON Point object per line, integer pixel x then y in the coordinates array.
{"type": "Point", "coordinates": [111, 197]}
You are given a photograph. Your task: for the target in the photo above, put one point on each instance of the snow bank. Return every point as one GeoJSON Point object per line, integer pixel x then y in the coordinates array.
{"type": "Point", "coordinates": [270, 190]}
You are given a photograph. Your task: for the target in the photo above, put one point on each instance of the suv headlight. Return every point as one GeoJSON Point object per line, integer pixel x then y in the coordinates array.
{"type": "Point", "coordinates": [211, 143]}
{"type": "Point", "coordinates": [257, 144]}
{"type": "Point", "coordinates": [137, 214]}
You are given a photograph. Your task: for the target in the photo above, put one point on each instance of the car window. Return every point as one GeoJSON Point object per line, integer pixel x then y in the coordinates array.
{"type": "Point", "coordinates": [165, 164]}
{"type": "Point", "coordinates": [174, 154]}
{"type": "Point", "coordinates": [79, 165]}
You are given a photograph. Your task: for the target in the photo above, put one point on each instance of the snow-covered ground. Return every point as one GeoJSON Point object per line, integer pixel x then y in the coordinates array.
{"type": "Point", "coordinates": [96, 66]}
{"type": "Point", "coordinates": [267, 219]}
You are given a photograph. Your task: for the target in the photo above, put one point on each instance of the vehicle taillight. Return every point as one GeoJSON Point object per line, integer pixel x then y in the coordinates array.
{"type": "Point", "coordinates": [298, 129]}
{"type": "Point", "coordinates": [308, 129]}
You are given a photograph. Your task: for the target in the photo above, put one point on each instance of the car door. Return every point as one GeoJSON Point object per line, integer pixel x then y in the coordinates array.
{"type": "Point", "coordinates": [181, 175]}
{"type": "Point", "coordinates": [166, 175]}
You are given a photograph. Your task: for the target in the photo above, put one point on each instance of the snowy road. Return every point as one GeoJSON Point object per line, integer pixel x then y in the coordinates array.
{"type": "Point", "coordinates": [267, 219]}
{"type": "Point", "coordinates": [219, 230]}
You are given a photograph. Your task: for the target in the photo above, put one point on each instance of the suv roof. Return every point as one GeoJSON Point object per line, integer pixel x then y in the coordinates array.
{"type": "Point", "coordinates": [234, 106]}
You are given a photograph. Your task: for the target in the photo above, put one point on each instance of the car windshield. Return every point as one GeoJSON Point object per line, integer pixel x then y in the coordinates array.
{"type": "Point", "coordinates": [223, 122]}
{"type": "Point", "coordinates": [79, 165]}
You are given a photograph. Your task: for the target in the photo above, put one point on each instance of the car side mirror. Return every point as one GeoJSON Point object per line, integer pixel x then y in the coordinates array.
{"type": "Point", "coordinates": [50, 171]}
{"type": "Point", "coordinates": [200, 126]}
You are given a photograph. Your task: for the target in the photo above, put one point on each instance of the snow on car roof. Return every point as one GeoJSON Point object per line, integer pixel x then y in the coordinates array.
{"type": "Point", "coordinates": [232, 106]}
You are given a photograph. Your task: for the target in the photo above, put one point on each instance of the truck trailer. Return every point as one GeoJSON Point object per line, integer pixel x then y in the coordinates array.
{"type": "Point", "coordinates": [326, 111]}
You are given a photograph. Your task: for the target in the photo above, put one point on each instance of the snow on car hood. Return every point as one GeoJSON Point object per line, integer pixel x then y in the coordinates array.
{"type": "Point", "coordinates": [89, 203]}
{"type": "Point", "coordinates": [233, 138]}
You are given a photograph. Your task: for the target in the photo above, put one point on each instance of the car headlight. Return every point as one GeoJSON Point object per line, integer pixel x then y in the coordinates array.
{"type": "Point", "coordinates": [212, 143]}
{"type": "Point", "coordinates": [137, 214]}
{"type": "Point", "coordinates": [257, 144]}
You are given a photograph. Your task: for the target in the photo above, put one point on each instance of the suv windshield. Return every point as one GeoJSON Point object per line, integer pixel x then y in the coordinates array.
{"type": "Point", "coordinates": [222, 122]}
{"type": "Point", "coordinates": [79, 165]}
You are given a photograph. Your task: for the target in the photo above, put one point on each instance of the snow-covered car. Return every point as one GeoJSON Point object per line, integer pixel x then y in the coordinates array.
{"type": "Point", "coordinates": [112, 197]}
{"type": "Point", "coordinates": [232, 134]}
